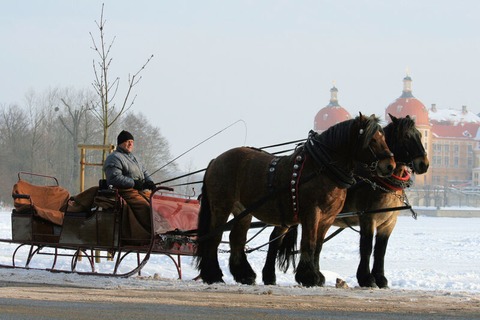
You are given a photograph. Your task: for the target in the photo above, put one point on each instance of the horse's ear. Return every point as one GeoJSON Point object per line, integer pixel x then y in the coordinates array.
{"type": "Point", "coordinates": [394, 119]}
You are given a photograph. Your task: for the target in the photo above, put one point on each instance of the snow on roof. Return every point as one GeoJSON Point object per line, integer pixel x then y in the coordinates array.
{"type": "Point", "coordinates": [453, 116]}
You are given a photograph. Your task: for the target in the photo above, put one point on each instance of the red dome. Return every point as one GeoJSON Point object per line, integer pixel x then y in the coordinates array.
{"type": "Point", "coordinates": [329, 116]}
{"type": "Point", "coordinates": [408, 106]}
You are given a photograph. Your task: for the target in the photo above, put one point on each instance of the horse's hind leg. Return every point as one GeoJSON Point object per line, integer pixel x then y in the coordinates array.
{"type": "Point", "coordinates": [240, 269]}
{"type": "Point", "coordinates": [209, 267]}
{"type": "Point", "coordinates": [268, 272]}
{"type": "Point", "coordinates": [207, 249]}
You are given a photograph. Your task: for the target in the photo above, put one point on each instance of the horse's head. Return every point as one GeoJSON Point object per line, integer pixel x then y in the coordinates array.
{"type": "Point", "coordinates": [370, 146]}
{"type": "Point", "coordinates": [405, 141]}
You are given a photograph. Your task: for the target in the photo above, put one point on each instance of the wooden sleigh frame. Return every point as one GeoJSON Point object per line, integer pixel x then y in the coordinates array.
{"type": "Point", "coordinates": [95, 233]}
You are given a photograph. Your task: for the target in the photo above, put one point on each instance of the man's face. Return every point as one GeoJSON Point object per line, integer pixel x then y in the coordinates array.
{"type": "Point", "coordinates": [127, 145]}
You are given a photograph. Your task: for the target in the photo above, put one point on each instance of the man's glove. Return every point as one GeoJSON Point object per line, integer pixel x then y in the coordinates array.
{"type": "Point", "coordinates": [138, 184]}
{"type": "Point", "coordinates": [150, 185]}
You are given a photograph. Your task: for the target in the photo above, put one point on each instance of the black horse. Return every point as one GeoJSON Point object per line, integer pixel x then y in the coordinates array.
{"type": "Point", "coordinates": [307, 187]}
{"type": "Point", "coordinates": [370, 193]}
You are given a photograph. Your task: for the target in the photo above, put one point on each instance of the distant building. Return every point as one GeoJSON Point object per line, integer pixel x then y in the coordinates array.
{"type": "Point", "coordinates": [451, 137]}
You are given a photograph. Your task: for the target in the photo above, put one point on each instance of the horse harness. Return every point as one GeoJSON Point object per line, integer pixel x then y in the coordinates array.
{"type": "Point", "coordinates": [297, 168]}
{"type": "Point", "coordinates": [390, 185]}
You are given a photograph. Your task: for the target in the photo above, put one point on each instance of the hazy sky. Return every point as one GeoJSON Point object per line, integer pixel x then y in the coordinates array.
{"type": "Point", "coordinates": [268, 63]}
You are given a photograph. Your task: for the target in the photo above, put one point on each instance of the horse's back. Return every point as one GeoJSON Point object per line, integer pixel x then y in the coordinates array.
{"type": "Point", "coordinates": [238, 161]}
{"type": "Point", "coordinates": [235, 169]}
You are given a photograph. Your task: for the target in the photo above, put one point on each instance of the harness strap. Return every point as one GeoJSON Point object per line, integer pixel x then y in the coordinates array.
{"type": "Point", "coordinates": [271, 172]}
{"type": "Point", "coordinates": [296, 174]}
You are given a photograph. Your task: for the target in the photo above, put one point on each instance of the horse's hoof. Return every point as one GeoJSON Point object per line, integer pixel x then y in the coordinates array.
{"type": "Point", "coordinates": [269, 281]}
{"type": "Point", "coordinates": [381, 282]}
{"type": "Point", "coordinates": [210, 279]}
{"type": "Point", "coordinates": [247, 280]}
{"type": "Point", "coordinates": [367, 282]}
{"type": "Point", "coordinates": [310, 279]}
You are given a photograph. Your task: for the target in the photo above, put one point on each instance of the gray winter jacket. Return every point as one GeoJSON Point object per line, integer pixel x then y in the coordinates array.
{"type": "Point", "coordinates": [122, 168]}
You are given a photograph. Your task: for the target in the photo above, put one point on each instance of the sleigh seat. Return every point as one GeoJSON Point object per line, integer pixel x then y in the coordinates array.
{"type": "Point", "coordinates": [48, 214]}
{"type": "Point", "coordinates": [38, 210]}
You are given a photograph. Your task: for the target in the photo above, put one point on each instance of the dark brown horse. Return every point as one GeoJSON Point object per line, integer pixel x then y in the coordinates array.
{"type": "Point", "coordinates": [370, 193]}
{"type": "Point", "coordinates": [307, 187]}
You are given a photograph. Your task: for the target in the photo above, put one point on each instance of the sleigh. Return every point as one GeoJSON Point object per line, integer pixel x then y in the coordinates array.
{"type": "Point", "coordinates": [47, 221]}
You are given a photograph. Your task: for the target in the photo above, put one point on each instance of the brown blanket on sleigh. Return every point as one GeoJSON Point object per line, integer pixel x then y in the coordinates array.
{"type": "Point", "coordinates": [47, 202]}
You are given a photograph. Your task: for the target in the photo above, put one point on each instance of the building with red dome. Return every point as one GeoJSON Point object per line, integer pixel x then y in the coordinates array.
{"type": "Point", "coordinates": [330, 115]}
{"type": "Point", "coordinates": [451, 139]}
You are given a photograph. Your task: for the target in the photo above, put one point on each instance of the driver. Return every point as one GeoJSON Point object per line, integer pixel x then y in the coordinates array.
{"type": "Point", "coordinates": [125, 172]}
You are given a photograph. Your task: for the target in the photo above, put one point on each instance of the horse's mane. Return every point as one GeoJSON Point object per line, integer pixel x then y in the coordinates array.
{"type": "Point", "coordinates": [370, 125]}
{"type": "Point", "coordinates": [333, 148]}
{"type": "Point", "coordinates": [364, 129]}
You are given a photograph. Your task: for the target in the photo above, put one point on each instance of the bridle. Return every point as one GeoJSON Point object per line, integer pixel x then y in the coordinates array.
{"type": "Point", "coordinates": [376, 158]}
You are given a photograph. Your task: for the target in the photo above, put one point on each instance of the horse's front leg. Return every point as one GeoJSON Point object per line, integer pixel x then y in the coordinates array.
{"type": "Point", "coordinates": [240, 269]}
{"type": "Point", "coordinates": [307, 272]}
{"type": "Point", "coordinates": [381, 242]}
{"type": "Point", "coordinates": [364, 277]}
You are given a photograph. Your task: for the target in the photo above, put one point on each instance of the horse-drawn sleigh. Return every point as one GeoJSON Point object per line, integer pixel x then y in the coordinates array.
{"type": "Point", "coordinates": [307, 187]}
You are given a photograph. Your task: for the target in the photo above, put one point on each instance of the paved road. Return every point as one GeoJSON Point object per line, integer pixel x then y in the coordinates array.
{"type": "Point", "coordinates": [39, 310]}
{"type": "Point", "coordinates": [70, 310]}
{"type": "Point", "coordinates": [71, 302]}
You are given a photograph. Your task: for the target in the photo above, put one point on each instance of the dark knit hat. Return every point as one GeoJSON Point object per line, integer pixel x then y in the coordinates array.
{"type": "Point", "coordinates": [124, 136]}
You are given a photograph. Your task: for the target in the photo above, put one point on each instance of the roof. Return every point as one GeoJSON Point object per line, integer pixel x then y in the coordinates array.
{"type": "Point", "coordinates": [462, 130]}
{"type": "Point", "coordinates": [409, 106]}
{"type": "Point", "coordinates": [329, 116]}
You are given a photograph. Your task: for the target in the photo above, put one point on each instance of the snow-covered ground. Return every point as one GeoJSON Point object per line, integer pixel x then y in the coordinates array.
{"type": "Point", "coordinates": [430, 253]}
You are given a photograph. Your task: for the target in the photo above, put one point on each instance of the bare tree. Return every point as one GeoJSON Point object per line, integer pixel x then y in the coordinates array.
{"type": "Point", "coordinates": [13, 141]}
{"type": "Point", "coordinates": [107, 90]}
{"type": "Point", "coordinates": [72, 111]}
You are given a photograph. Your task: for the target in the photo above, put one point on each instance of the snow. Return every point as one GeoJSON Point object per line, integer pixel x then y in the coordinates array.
{"type": "Point", "coordinates": [429, 254]}
{"type": "Point", "coordinates": [452, 115]}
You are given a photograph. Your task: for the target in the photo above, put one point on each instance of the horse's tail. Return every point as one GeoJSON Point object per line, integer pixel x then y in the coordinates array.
{"type": "Point", "coordinates": [287, 249]}
{"type": "Point", "coordinates": [203, 228]}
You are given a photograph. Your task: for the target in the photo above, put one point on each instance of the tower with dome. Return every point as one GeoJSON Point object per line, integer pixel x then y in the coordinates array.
{"type": "Point", "coordinates": [331, 114]}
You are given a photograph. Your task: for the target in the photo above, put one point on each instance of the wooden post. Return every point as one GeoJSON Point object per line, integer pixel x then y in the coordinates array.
{"type": "Point", "coordinates": [83, 163]}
